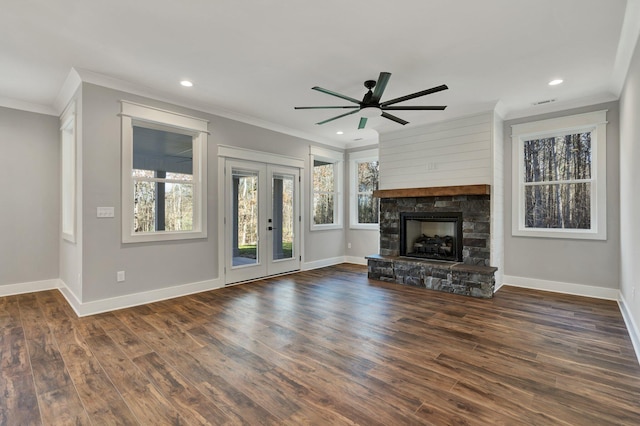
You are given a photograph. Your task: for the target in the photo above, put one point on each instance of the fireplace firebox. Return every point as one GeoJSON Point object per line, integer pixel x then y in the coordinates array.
{"type": "Point", "coordinates": [429, 235]}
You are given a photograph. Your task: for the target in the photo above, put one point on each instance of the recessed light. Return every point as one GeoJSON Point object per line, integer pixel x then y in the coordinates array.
{"type": "Point", "coordinates": [555, 82]}
{"type": "Point", "coordinates": [339, 132]}
{"type": "Point", "coordinates": [186, 83]}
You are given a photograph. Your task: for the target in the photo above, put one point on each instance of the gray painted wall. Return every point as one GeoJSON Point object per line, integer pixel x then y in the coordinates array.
{"type": "Point", "coordinates": [587, 262]}
{"type": "Point", "coordinates": [630, 190]}
{"type": "Point", "coordinates": [30, 193]}
{"type": "Point", "coordinates": [151, 266]}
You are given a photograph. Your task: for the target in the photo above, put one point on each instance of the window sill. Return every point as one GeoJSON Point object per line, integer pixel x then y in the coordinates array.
{"type": "Point", "coordinates": [573, 234]}
{"type": "Point", "coordinates": [325, 227]}
{"type": "Point", "coordinates": [365, 227]}
{"type": "Point", "coordinates": [163, 236]}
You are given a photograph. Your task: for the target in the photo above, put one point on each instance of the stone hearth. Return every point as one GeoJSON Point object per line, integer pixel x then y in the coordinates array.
{"type": "Point", "coordinates": [473, 276]}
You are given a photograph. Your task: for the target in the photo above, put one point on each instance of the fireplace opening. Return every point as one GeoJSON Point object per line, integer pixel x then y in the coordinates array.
{"type": "Point", "coordinates": [431, 235]}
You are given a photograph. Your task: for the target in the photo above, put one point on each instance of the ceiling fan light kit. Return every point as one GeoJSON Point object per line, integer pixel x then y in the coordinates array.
{"type": "Point", "coordinates": [370, 112]}
{"type": "Point", "coordinates": [371, 107]}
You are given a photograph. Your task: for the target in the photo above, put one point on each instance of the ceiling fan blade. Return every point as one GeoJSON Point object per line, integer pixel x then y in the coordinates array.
{"type": "Point", "coordinates": [414, 108]}
{"type": "Point", "coordinates": [339, 116]}
{"type": "Point", "coordinates": [328, 107]}
{"type": "Point", "coordinates": [329, 92]}
{"type": "Point", "coordinates": [363, 122]}
{"type": "Point", "coordinates": [394, 118]}
{"type": "Point", "coordinates": [415, 95]}
{"type": "Point", "coordinates": [381, 84]}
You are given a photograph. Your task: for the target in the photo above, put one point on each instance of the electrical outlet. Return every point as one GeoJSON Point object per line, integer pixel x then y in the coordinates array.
{"type": "Point", "coordinates": [120, 276]}
{"type": "Point", "coordinates": [348, 245]}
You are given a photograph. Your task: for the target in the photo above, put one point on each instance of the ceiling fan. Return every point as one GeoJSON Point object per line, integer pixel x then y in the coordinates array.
{"type": "Point", "coordinates": [370, 106]}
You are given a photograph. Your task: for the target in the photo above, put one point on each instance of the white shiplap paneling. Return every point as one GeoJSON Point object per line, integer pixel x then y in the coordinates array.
{"type": "Point", "coordinates": [454, 152]}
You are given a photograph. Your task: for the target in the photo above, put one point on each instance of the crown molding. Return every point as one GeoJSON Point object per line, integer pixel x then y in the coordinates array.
{"type": "Point", "coordinates": [629, 35]}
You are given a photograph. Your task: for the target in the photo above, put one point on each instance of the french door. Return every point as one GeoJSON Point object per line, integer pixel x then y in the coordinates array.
{"type": "Point", "coordinates": [262, 220]}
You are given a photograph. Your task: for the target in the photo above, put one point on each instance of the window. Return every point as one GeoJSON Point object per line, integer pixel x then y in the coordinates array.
{"type": "Point", "coordinates": [559, 179]}
{"type": "Point", "coordinates": [68, 171]}
{"type": "Point", "coordinates": [326, 179]}
{"type": "Point", "coordinates": [363, 171]}
{"type": "Point", "coordinates": [163, 175]}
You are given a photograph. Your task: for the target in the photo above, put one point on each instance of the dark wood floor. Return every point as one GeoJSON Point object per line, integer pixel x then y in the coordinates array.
{"type": "Point", "coordinates": [320, 347]}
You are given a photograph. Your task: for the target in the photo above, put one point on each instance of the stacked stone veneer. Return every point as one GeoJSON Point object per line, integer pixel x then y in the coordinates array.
{"type": "Point", "coordinates": [473, 277]}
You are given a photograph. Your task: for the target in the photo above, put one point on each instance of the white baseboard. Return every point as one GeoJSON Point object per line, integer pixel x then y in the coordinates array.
{"type": "Point", "coordinates": [30, 287]}
{"type": "Point", "coordinates": [355, 260]}
{"type": "Point", "coordinates": [307, 266]}
{"type": "Point", "coordinates": [562, 287]}
{"type": "Point", "coordinates": [126, 301]}
{"type": "Point", "coordinates": [634, 333]}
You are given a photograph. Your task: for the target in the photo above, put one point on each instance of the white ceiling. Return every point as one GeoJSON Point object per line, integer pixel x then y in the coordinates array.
{"type": "Point", "coordinates": [255, 60]}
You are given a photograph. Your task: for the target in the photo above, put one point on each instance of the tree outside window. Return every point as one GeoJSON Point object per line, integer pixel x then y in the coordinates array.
{"type": "Point", "coordinates": [324, 192]}
{"type": "Point", "coordinates": [559, 177]}
{"type": "Point", "coordinates": [367, 182]}
{"type": "Point", "coordinates": [558, 182]}
{"type": "Point", "coordinates": [326, 188]}
{"type": "Point", "coordinates": [364, 169]}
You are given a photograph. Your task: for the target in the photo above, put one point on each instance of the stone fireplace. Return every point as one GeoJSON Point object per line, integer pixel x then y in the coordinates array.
{"type": "Point", "coordinates": [436, 238]}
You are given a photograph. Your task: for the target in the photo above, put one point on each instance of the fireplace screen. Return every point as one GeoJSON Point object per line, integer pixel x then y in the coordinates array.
{"type": "Point", "coordinates": [431, 235]}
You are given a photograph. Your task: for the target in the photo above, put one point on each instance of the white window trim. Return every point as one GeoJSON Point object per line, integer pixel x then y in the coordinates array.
{"type": "Point", "coordinates": [337, 158]}
{"type": "Point", "coordinates": [596, 123]}
{"type": "Point", "coordinates": [355, 158]}
{"type": "Point", "coordinates": [145, 116]}
{"type": "Point", "coordinates": [68, 173]}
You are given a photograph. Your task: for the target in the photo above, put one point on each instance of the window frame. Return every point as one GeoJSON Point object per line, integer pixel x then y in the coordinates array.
{"type": "Point", "coordinates": [133, 114]}
{"type": "Point", "coordinates": [594, 122]}
{"type": "Point", "coordinates": [337, 159]}
{"type": "Point", "coordinates": [68, 179]}
{"type": "Point", "coordinates": [356, 158]}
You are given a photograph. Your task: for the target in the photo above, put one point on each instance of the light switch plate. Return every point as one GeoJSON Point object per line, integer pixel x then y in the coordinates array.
{"type": "Point", "coordinates": [105, 212]}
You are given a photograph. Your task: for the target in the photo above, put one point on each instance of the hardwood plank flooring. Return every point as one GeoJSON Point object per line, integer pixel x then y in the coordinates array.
{"type": "Point", "coordinates": [320, 347]}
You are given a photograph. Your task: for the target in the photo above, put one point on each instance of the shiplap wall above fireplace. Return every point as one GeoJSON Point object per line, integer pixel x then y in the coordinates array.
{"type": "Point", "coordinates": [464, 151]}
{"type": "Point", "coordinates": [455, 152]}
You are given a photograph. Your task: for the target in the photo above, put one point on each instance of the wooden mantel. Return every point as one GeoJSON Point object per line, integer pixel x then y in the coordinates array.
{"type": "Point", "coordinates": [434, 191]}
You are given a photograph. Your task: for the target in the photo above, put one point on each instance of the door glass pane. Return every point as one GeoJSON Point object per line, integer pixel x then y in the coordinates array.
{"type": "Point", "coordinates": [283, 220]}
{"type": "Point", "coordinates": [245, 218]}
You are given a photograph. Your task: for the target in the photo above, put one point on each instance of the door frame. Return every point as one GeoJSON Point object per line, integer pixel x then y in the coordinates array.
{"type": "Point", "coordinates": [234, 153]}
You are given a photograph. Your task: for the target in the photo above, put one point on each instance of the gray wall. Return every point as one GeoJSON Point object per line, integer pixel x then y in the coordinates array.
{"type": "Point", "coordinates": [151, 266]}
{"type": "Point", "coordinates": [630, 192]}
{"type": "Point", "coordinates": [30, 192]}
{"type": "Point", "coordinates": [587, 262]}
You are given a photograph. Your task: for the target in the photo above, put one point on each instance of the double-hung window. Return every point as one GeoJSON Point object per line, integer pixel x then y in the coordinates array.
{"type": "Point", "coordinates": [363, 207]}
{"type": "Point", "coordinates": [559, 177]}
{"type": "Point", "coordinates": [164, 173]}
{"type": "Point", "coordinates": [326, 181]}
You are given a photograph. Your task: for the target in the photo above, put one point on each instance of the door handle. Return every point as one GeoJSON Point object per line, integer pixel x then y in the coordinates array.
{"type": "Point", "coordinates": [270, 228]}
